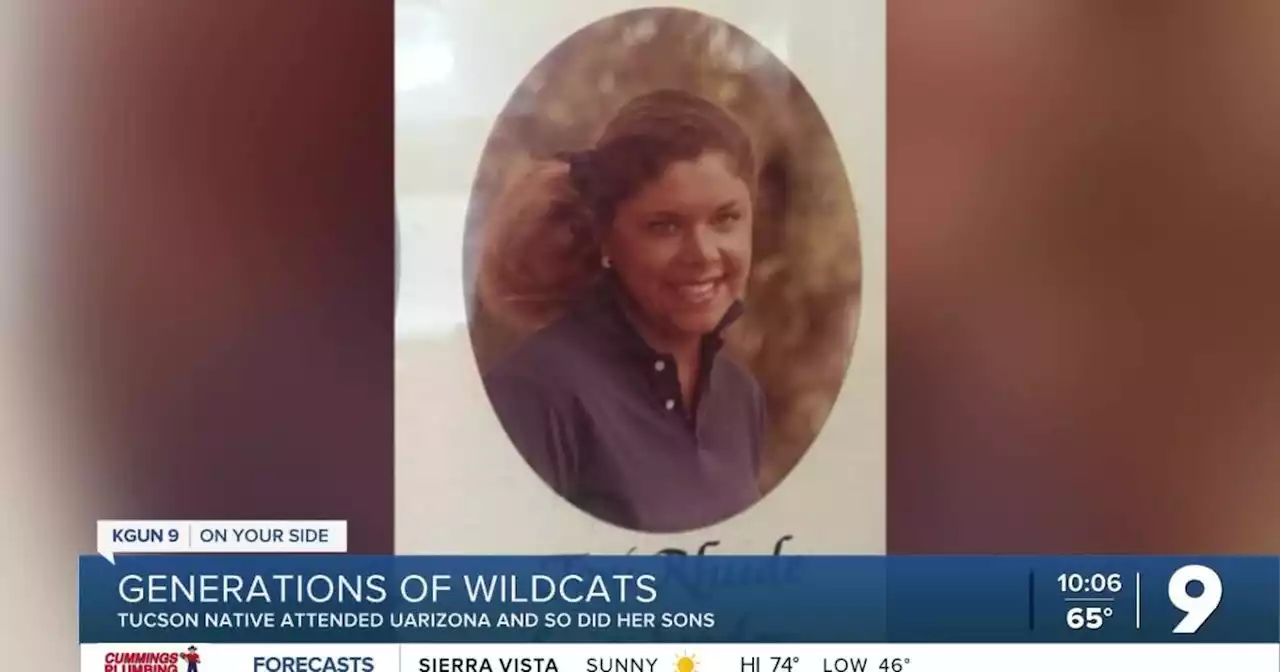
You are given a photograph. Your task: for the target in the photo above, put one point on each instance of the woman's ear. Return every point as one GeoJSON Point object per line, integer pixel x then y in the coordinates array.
{"type": "Point", "coordinates": [606, 252]}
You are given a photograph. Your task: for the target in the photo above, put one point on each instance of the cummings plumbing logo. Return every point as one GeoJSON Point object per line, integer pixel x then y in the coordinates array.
{"type": "Point", "coordinates": [152, 661]}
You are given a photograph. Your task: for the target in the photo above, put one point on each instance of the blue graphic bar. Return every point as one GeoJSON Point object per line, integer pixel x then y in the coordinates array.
{"type": "Point", "coordinates": [354, 599]}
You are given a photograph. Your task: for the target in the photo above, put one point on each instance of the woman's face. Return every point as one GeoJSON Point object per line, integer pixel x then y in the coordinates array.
{"type": "Point", "coordinates": [682, 246]}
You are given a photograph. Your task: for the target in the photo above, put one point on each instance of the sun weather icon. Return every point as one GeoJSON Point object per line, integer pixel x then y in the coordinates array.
{"type": "Point", "coordinates": [685, 662]}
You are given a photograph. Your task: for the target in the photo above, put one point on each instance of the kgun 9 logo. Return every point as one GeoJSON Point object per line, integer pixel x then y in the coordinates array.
{"type": "Point", "coordinates": [1198, 608]}
{"type": "Point", "coordinates": [1194, 590]}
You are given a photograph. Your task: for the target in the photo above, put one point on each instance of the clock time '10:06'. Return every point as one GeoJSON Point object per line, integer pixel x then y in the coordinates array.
{"type": "Point", "coordinates": [1090, 583]}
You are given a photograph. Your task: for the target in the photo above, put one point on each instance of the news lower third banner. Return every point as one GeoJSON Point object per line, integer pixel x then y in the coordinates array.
{"type": "Point", "coordinates": [679, 658]}
{"type": "Point", "coordinates": [172, 602]}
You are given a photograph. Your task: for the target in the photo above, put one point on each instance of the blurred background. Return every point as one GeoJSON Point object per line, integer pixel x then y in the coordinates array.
{"type": "Point", "coordinates": [1083, 288]}
{"type": "Point", "coordinates": [797, 334]}
{"type": "Point", "coordinates": [207, 245]}
{"type": "Point", "coordinates": [219, 269]}
{"type": "Point", "coordinates": [1084, 299]}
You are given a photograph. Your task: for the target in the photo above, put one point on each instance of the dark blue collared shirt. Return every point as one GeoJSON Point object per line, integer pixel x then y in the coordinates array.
{"type": "Point", "coordinates": [598, 415]}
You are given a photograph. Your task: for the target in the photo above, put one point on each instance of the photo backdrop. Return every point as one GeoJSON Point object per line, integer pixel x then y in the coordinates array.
{"type": "Point", "coordinates": [818, 278]}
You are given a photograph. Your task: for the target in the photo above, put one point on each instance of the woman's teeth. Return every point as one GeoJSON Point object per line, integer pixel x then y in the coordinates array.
{"type": "Point", "coordinates": [698, 292]}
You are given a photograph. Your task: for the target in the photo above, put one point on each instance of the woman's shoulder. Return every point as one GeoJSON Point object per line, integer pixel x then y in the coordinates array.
{"type": "Point", "coordinates": [732, 375]}
{"type": "Point", "coordinates": [736, 374]}
{"type": "Point", "coordinates": [550, 359]}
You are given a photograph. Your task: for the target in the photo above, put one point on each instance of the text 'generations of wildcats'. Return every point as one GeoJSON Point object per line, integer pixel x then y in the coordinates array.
{"type": "Point", "coordinates": [317, 589]}
{"type": "Point", "coordinates": [409, 620]}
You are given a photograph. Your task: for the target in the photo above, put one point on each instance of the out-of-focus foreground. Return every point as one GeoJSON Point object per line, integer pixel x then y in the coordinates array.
{"type": "Point", "coordinates": [206, 304]}
{"type": "Point", "coordinates": [1084, 206]}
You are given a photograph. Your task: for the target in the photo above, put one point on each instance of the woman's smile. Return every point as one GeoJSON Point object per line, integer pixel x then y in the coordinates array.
{"type": "Point", "coordinates": [699, 292]}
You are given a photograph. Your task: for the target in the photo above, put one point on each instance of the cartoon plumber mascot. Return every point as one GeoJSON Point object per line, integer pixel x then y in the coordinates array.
{"type": "Point", "coordinates": [192, 658]}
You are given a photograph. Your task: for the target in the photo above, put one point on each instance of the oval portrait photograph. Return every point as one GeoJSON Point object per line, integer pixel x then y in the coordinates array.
{"type": "Point", "coordinates": [663, 270]}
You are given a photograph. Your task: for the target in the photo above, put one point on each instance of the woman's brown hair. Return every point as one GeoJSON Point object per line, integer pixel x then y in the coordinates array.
{"type": "Point", "coordinates": [541, 237]}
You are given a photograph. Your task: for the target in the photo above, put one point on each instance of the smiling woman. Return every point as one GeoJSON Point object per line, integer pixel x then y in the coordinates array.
{"type": "Point", "coordinates": [629, 266]}
{"type": "Point", "coordinates": [629, 388]}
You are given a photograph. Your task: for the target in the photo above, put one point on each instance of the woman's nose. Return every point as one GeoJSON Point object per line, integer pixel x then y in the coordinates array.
{"type": "Point", "coordinates": [699, 245]}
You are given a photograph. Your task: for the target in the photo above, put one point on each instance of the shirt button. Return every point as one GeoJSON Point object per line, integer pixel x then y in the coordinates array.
{"type": "Point", "coordinates": [671, 403]}
{"type": "Point", "coordinates": [659, 365]}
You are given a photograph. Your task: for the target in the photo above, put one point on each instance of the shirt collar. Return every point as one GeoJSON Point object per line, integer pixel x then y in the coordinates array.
{"type": "Point", "coordinates": [605, 302]}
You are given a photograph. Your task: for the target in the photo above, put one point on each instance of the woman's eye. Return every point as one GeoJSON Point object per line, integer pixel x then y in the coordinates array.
{"type": "Point", "coordinates": [727, 217]}
{"type": "Point", "coordinates": [663, 226]}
